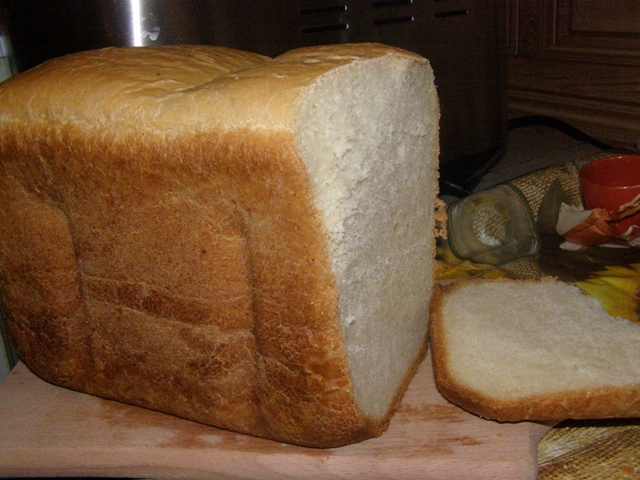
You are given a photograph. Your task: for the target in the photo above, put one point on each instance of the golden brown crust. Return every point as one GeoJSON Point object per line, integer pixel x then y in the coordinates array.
{"type": "Point", "coordinates": [170, 89]}
{"type": "Point", "coordinates": [609, 402]}
{"type": "Point", "coordinates": [440, 230]}
{"type": "Point", "coordinates": [170, 273]}
{"type": "Point", "coordinates": [128, 310]}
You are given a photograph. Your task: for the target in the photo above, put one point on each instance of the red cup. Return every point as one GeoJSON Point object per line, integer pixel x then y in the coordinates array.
{"type": "Point", "coordinates": [610, 182]}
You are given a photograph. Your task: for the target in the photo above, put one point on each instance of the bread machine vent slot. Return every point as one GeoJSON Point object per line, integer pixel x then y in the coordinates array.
{"type": "Point", "coordinates": [392, 18]}
{"type": "Point", "coordinates": [323, 18]}
{"type": "Point", "coordinates": [388, 21]}
{"type": "Point", "coordinates": [390, 3]}
{"type": "Point", "coordinates": [326, 9]}
{"type": "Point", "coordinates": [451, 13]}
{"type": "Point", "coordinates": [325, 28]}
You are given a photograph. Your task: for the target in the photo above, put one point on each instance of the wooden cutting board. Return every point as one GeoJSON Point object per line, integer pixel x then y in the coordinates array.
{"type": "Point", "coordinates": [50, 431]}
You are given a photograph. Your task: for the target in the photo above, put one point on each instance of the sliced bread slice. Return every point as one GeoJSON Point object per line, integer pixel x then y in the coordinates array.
{"type": "Point", "coordinates": [533, 350]}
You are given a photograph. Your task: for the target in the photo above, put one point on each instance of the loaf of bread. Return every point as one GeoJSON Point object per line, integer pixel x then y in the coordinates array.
{"type": "Point", "coordinates": [533, 350]}
{"type": "Point", "coordinates": [241, 241]}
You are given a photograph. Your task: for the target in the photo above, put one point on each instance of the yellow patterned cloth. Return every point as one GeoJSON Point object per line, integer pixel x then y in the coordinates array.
{"type": "Point", "coordinates": [574, 449]}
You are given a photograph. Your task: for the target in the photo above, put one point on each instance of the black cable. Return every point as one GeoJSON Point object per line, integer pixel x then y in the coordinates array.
{"type": "Point", "coordinates": [453, 189]}
{"type": "Point", "coordinates": [456, 190]}
{"type": "Point", "coordinates": [564, 127]}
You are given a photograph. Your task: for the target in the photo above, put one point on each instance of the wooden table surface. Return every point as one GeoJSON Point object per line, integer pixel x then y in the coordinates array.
{"type": "Point", "coordinates": [51, 431]}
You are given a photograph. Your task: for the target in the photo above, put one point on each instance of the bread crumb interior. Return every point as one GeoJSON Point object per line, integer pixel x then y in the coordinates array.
{"type": "Point", "coordinates": [512, 340]}
{"type": "Point", "coordinates": [368, 136]}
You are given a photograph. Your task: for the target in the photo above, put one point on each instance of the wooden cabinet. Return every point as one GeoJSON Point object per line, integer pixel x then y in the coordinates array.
{"type": "Point", "coordinates": [578, 61]}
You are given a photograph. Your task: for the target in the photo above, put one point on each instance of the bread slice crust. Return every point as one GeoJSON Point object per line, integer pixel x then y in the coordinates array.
{"type": "Point", "coordinates": [584, 403]}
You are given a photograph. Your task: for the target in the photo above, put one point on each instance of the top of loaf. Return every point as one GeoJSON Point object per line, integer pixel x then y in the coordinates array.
{"type": "Point", "coordinates": [170, 87]}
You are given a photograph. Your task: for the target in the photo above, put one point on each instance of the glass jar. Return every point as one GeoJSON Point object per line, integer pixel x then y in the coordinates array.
{"type": "Point", "coordinates": [494, 226]}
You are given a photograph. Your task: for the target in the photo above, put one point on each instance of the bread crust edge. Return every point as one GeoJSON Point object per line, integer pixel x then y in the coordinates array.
{"type": "Point", "coordinates": [584, 404]}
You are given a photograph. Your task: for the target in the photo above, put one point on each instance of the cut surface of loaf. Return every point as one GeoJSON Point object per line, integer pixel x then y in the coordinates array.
{"type": "Point", "coordinates": [533, 350]}
{"type": "Point", "coordinates": [241, 241]}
